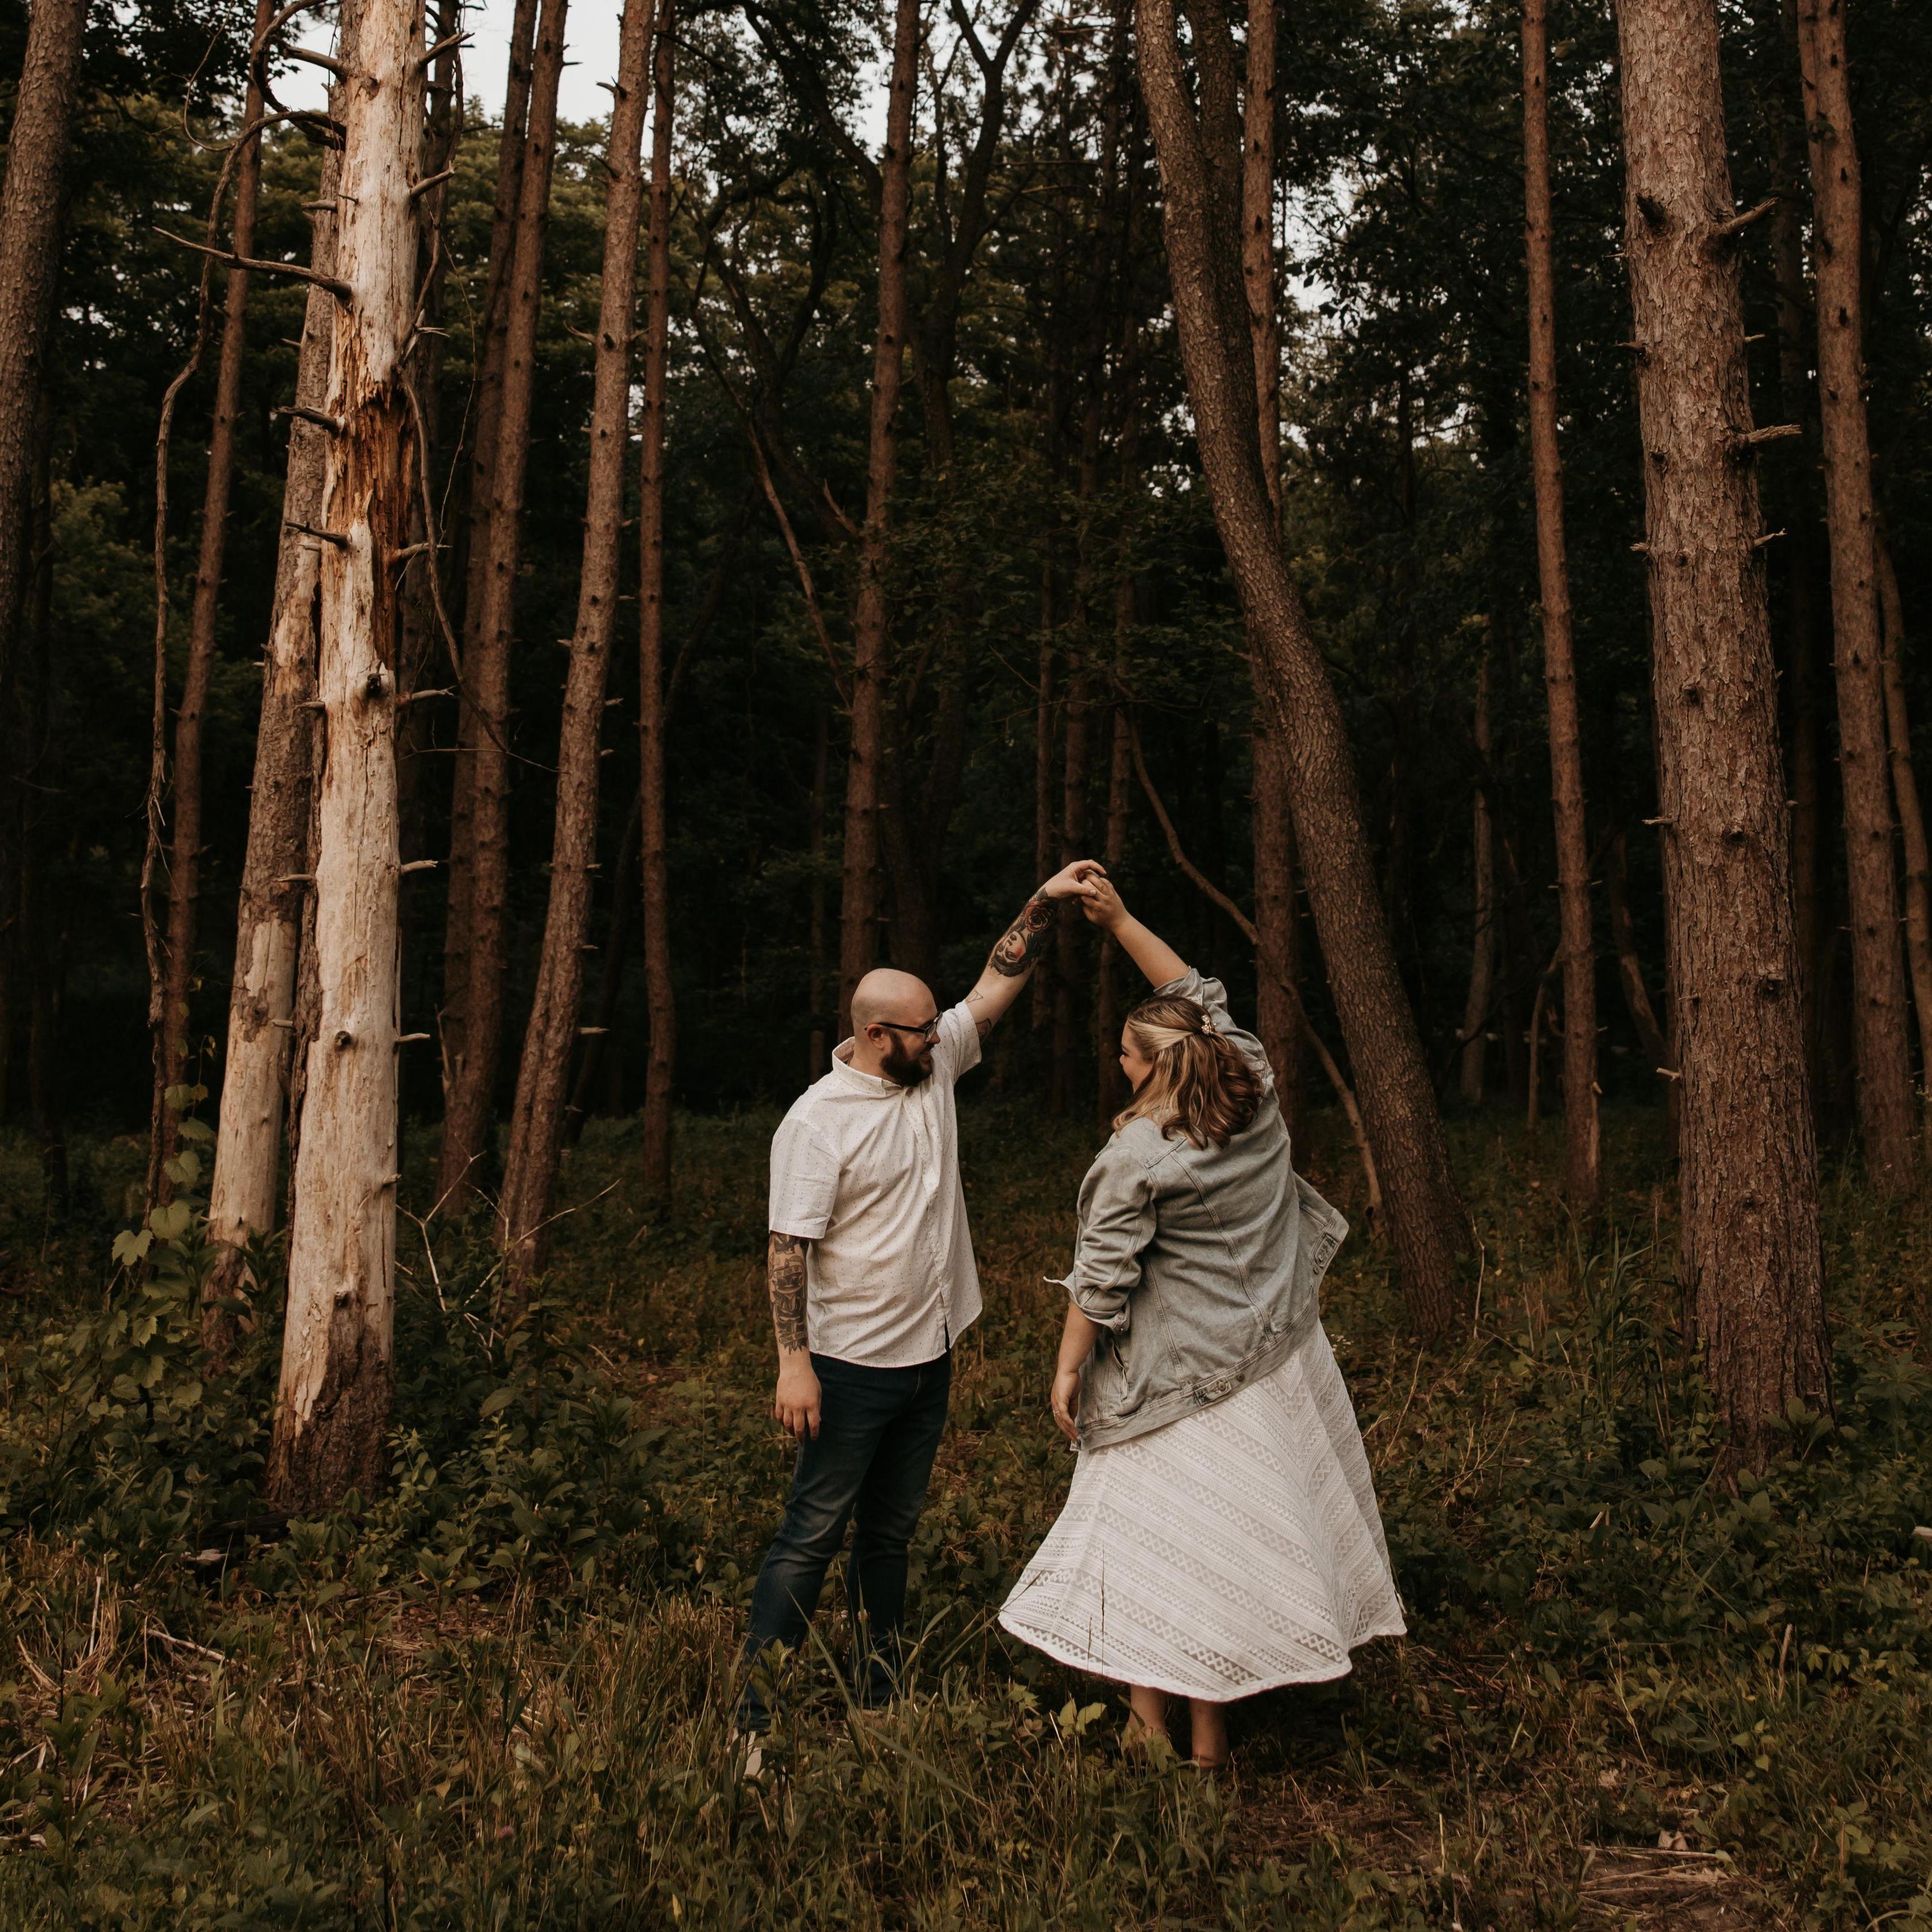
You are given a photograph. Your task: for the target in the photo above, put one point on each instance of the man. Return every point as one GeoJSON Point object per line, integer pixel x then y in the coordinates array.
{"type": "Point", "coordinates": [870, 1268]}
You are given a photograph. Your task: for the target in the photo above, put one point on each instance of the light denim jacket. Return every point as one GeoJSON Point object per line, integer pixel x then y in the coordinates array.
{"type": "Point", "coordinates": [1203, 1265]}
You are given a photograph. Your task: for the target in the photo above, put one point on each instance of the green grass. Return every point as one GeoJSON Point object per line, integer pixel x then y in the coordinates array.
{"type": "Point", "coordinates": [498, 1697]}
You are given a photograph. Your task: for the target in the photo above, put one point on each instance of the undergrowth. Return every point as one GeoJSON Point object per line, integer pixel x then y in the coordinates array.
{"type": "Point", "coordinates": [496, 1693]}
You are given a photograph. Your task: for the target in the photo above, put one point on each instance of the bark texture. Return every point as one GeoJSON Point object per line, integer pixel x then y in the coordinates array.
{"type": "Point", "coordinates": [332, 1410]}
{"type": "Point", "coordinates": [537, 1116]}
{"type": "Point", "coordinates": [473, 998]}
{"type": "Point", "coordinates": [1886, 1116]}
{"type": "Point", "coordinates": [1750, 1264]}
{"type": "Point", "coordinates": [859, 905]}
{"type": "Point", "coordinates": [1582, 1153]}
{"type": "Point", "coordinates": [31, 209]}
{"type": "Point", "coordinates": [1425, 1213]}
{"type": "Point", "coordinates": [268, 919]}
{"type": "Point", "coordinates": [660, 997]}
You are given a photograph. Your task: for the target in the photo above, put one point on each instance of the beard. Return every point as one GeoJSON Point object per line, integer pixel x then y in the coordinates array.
{"type": "Point", "coordinates": [904, 1068]}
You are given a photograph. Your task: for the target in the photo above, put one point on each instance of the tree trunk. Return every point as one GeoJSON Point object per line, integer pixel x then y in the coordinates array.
{"type": "Point", "coordinates": [1482, 944]}
{"type": "Point", "coordinates": [1108, 1011]}
{"type": "Point", "coordinates": [859, 905]}
{"type": "Point", "coordinates": [332, 1411]}
{"type": "Point", "coordinates": [536, 1118]}
{"type": "Point", "coordinates": [660, 998]}
{"type": "Point", "coordinates": [1878, 1035]}
{"type": "Point", "coordinates": [597, 1048]}
{"type": "Point", "coordinates": [1582, 1167]}
{"type": "Point", "coordinates": [32, 209]}
{"type": "Point", "coordinates": [490, 341]}
{"type": "Point", "coordinates": [818, 1046]}
{"type": "Point", "coordinates": [255, 1063]}
{"type": "Point", "coordinates": [1804, 702]}
{"type": "Point", "coordinates": [473, 1027]}
{"type": "Point", "coordinates": [184, 856]}
{"type": "Point", "coordinates": [1272, 815]}
{"type": "Point", "coordinates": [1068, 977]}
{"type": "Point", "coordinates": [1750, 1259]}
{"type": "Point", "coordinates": [1911, 817]}
{"type": "Point", "coordinates": [1398, 1103]}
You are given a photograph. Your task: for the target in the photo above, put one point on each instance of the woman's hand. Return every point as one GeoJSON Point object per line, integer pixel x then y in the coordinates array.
{"type": "Point", "coordinates": [1101, 901]}
{"type": "Point", "coordinates": [1065, 1401]}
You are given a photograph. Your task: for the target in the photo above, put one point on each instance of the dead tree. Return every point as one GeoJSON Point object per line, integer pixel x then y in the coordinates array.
{"type": "Point", "coordinates": [331, 1413]}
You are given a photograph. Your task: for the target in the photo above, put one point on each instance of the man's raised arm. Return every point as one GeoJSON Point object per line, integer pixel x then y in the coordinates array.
{"type": "Point", "coordinates": [797, 1402]}
{"type": "Point", "coordinates": [1017, 950]}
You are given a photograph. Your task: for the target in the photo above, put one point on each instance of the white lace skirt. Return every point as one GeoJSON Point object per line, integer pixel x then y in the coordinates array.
{"type": "Point", "coordinates": [1233, 1551]}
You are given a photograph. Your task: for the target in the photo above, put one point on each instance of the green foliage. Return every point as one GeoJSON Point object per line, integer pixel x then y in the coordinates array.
{"type": "Point", "coordinates": [498, 1694]}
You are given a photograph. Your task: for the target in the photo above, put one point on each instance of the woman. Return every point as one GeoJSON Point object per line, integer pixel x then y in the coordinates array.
{"type": "Point", "coordinates": [1220, 1537]}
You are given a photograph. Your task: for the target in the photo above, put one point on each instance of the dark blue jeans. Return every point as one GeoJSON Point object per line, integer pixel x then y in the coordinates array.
{"type": "Point", "coordinates": [878, 1431]}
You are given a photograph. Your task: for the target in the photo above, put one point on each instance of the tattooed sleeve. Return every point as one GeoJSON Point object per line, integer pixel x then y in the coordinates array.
{"type": "Point", "coordinates": [1025, 940]}
{"type": "Point", "coordinates": [785, 1276]}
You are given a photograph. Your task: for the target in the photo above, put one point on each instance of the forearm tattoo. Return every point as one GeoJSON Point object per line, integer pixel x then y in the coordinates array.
{"type": "Point", "coordinates": [784, 1275]}
{"type": "Point", "coordinates": [1025, 940]}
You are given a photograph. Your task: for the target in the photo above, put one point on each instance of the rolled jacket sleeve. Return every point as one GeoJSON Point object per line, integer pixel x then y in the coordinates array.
{"type": "Point", "coordinates": [804, 1181]}
{"type": "Point", "coordinates": [1117, 1222]}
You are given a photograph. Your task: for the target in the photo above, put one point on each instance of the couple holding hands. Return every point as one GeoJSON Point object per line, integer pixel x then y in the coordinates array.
{"type": "Point", "coordinates": [1220, 1537]}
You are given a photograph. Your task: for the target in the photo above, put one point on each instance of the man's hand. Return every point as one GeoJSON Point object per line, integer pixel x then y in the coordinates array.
{"type": "Point", "coordinates": [1017, 950]}
{"type": "Point", "coordinates": [796, 1404]}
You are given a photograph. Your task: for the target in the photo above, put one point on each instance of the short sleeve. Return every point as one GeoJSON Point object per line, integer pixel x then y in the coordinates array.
{"type": "Point", "coordinates": [805, 1179]}
{"type": "Point", "coordinates": [1212, 998]}
{"type": "Point", "coordinates": [958, 1046]}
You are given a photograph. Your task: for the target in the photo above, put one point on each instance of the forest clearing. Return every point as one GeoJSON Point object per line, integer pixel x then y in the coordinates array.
{"type": "Point", "coordinates": [562, 573]}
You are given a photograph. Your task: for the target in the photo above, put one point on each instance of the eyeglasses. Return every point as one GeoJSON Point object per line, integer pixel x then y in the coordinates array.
{"type": "Point", "coordinates": [928, 1030]}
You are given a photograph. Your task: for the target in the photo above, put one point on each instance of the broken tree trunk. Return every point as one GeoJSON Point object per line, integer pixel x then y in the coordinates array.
{"type": "Point", "coordinates": [332, 1410]}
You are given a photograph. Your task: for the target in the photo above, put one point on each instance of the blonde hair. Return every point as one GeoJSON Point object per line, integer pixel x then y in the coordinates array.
{"type": "Point", "coordinates": [1200, 1087]}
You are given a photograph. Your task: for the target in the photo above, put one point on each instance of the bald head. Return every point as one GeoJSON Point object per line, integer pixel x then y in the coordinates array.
{"type": "Point", "coordinates": [886, 994]}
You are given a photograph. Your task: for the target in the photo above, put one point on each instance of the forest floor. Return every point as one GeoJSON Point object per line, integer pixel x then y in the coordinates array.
{"type": "Point", "coordinates": [497, 1696]}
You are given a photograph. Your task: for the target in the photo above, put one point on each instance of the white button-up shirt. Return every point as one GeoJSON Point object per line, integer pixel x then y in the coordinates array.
{"type": "Point", "coordinates": [868, 1171]}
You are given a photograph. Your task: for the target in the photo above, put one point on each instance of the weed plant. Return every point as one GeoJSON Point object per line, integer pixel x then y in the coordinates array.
{"type": "Point", "coordinates": [497, 1695]}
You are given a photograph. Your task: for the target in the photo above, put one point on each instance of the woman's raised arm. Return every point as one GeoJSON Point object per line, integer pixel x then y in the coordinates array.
{"type": "Point", "coordinates": [1148, 951]}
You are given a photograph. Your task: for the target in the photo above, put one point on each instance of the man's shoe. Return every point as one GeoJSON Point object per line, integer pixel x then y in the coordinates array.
{"type": "Point", "coordinates": [747, 1756]}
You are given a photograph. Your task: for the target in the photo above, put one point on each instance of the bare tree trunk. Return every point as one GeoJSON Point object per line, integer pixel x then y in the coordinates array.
{"type": "Point", "coordinates": [1046, 740]}
{"type": "Point", "coordinates": [185, 855]}
{"type": "Point", "coordinates": [1482, 945]}
{"type": "Point", "coordinates": [332, 1410]}
{"type": "Point", "coordinates": [32, 209]}
{"type": "Point", "coordinates": [1272, 815]}
{"type": "Point", "coordinates": [818, 1050]}
{"type": "Point", "coordinates": [1107, 1004]}
{"type": "Point", "coordinates": [1582, 1164]}
{"type": "Point", "coordinates": [269, 919]}
{"type": "Point", "coordinates": [1398, 1101]}
{"type": "Point", "coordinates": [1068, 977]}
{"type": "Point", "coordinates": [660, 997]}
{"type": "Point", "coordinates": [1878, 1033]}
{"type": "Point", "coordinates": [472, 1030]}
{"type": "Point", "coordinates": [858, 904]}
{"type": "Point", "coordinates": [1911, 816]}
{"type": "Point", "coordinates": [1751, 1265]}
{"type": "Point", "coordinates": [597, 1048]}
{"type": "Point", "coordinates": [536, 1118]}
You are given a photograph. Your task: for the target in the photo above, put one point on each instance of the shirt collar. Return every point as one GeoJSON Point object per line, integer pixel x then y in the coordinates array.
{"type": "Point", "coordinates": [856, 1078]}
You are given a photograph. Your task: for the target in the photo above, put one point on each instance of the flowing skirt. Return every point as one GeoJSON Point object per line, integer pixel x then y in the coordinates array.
{"type": "Point", "coordinates": [1235, 1550]}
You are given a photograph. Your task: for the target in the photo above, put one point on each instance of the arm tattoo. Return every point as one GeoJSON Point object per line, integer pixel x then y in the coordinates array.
{"type": "Point", "coordinates": [1025, 940]}
{"type": "Point", "coordinates": [784, 1275]}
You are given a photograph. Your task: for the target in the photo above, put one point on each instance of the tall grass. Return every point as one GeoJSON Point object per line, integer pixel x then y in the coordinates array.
{"type": "Point", "coordinates": [360, 1727]}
